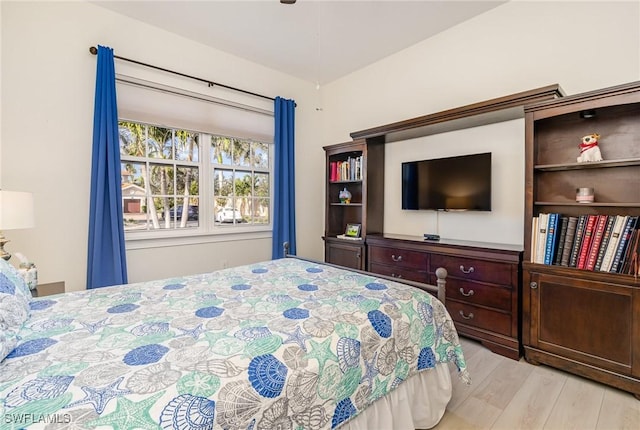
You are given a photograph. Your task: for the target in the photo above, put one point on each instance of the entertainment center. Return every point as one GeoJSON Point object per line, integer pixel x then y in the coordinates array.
{"type": "Point", "coordinates": [487, 308]}
{"type": "Point", "coordinates": [582, 321]}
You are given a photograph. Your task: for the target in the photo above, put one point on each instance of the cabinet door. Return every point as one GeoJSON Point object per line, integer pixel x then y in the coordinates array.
{"type": "Point", "coordinates": [583, 320]}
{"type": "Point", "coordinates": [344, 254]}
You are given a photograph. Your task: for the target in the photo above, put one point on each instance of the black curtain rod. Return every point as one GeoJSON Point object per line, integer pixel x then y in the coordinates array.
{"type": "Point", "coordinates": [209, 83]}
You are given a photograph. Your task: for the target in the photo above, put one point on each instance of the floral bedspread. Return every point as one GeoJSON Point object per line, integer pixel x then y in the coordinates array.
{"type": "Point", "coordinates": [284, 344]}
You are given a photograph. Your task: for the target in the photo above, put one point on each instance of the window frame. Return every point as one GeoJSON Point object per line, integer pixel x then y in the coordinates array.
{"type": "Point", "coordinates": [208, 229]}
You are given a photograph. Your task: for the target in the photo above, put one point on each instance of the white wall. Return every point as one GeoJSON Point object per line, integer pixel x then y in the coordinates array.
{"type": "Point", "coordinates": [503, 224]}
{"type": "Point", "coordinates": [48, 80]}
{"type": "Point", "coordinates": [515, 47]}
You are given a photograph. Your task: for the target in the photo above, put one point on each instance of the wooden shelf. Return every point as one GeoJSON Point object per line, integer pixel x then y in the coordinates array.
{"type": "Point", "coordinates": [593, 165]}
{"type": "Point", "coordinates": [586, 205]}
{"type": "Point", "coordinates": [356, 181]}
{"type": "Point", "coordinates": [570, 272]}
{"type": "Point", "coordinates": [345, 204]}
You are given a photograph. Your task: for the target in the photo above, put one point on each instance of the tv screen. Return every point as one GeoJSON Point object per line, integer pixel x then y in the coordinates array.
{"type": "Point", "coordinates": [452, 183]}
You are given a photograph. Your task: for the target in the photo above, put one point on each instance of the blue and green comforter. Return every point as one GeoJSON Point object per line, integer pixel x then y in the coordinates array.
{"type": "Point", "coordinates": [283, 344]}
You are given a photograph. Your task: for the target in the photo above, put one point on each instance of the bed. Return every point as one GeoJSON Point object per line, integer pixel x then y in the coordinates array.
{"type": "Point", "coordinates": [284, 344]}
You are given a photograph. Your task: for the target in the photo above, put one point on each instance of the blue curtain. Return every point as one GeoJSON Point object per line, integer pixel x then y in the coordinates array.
{"type": "Point", "coordinates": [284, 205]}
{"type": "Point", "coordinates": [106, 261]}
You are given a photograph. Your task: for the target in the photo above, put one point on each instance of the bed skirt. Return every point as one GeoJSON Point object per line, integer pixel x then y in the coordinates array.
{"type": "Point", "coordinates": [418, 403]}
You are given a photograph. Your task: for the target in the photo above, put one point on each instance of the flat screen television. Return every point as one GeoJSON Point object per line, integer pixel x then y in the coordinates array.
{"type": "Point", "coordinates": [451, 183]}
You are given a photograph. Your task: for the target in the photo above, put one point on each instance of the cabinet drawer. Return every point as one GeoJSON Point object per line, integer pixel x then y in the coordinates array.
{"type": "Point", "coordinates": [495, 321]}
{"type": "Point", "coordinates": [398, 257]}
{"type": "Point", "coordinates": [479, 270]}
{"type": "Point", "coordinates": [399, 272]}
{"type": "Point", "coordinates": [478, 294]}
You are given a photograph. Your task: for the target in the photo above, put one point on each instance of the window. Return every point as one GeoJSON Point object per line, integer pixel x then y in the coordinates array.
{"type": "Point", "coordinates": [180, 180]}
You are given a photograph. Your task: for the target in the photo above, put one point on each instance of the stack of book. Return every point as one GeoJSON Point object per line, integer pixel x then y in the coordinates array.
{"type": "Point", "coordinates": [605, 243]}
{"type": "Point", "coordinates": [348, 170]}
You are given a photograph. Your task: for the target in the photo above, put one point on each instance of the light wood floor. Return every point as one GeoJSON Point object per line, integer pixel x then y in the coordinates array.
{"type": "Point", "coordinates": [512, 395]}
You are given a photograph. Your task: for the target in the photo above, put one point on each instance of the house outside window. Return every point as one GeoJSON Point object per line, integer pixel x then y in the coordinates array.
{"type": "Point", "coordinates": [185, 182]}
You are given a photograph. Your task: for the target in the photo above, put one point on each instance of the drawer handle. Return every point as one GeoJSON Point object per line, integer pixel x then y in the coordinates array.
{"type": "Point", "coordinates": [467, 271]}
{"type": "Point", "coordinates": [393, 275]}
{"type": "Point", "coordinates": [396, 258]}
{"type": "Point", "coordinates": [470, 293]}
{"type": "Point", "coordinates": [533, 285]}
{"type": "Point", "coordinates": [467, 317]}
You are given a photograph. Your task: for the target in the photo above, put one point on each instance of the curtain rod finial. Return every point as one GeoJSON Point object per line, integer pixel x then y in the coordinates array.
{"type": "Point", "coordinates": [93, 50]}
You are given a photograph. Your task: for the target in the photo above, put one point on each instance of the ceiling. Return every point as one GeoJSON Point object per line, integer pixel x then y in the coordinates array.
{"type": "Point", "coordinates": [315, 40]}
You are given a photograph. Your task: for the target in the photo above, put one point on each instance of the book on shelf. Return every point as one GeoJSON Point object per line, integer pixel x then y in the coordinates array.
{"type": "Point", "coordinates": [568, 240]}
{"type": "Point", "coordinates": [607, 260]}
{"type": "Point", "coordinates": [596, 241]}
{"type": "Point", "coordinates": [587, 237]}
{"type": "Point", "coordinates": [606, 236]}
{"type": "Point", "coordinates": [534, 238]}
{"type": "Point", "coordinates": [631, 266]}
{"type": "Point", "coordinates": [346, 170]}
{"type": "Point", "coordinates": [543, 221]}
{"type": "Point", "coordinates": [629, 227]}
{"type": "Point", "coordinates": [629, 252]}
{"type": "Point", "coordinates": [333, 171]}
{"type": "Point", "coordinates": [551, 236]}
{"type": "Point", "coordinates": [564, 224]}
{"type": "Point", "coordinates": [577, 242]}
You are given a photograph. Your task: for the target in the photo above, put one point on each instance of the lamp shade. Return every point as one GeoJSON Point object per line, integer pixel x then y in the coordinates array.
{"type": "Point", "coordinates": [16, 210]}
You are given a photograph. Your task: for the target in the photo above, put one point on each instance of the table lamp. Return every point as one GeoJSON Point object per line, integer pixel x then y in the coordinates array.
{"type": "Point", "coordinates": [16, 212]}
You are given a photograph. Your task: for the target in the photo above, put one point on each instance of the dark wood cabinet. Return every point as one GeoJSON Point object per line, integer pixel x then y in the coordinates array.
{"type": "Point", "coordinates": [588, 325]}
{"type": "Point", "coordinates": [583, 321]}
{"type": "Point", "coordinates": [358, 167]}
{"type": "Point", "coordinates": [344, 253]}
{"type": "Point", "coordinates": [483, 282]}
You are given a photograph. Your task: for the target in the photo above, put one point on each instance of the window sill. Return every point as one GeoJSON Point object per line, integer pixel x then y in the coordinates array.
{"type": "Point", "coordinates": [147, 240]}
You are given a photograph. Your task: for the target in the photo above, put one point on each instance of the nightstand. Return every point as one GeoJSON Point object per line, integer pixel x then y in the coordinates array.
{"type": "Point", "coordinates": [48, 289]}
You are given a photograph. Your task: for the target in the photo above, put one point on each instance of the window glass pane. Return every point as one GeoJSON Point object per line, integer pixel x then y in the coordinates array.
{"type": "Point", "coordinates": [241, 153]}
{"type": "Point", "coordinates": [187, 181]}
{"type": "Point", "coordinates": [132, 138]}
{"type": "Point", "coordinates": [260, 155]}
{"type": "Point", "coordinates": [185, 213]}
{"type": "Point", "coordinates": [261, 211]}
{"type": "Point", "coordinates": [159, 142]}
{"type": "Point", "coordinates": [261, 185]}
{"type": "Point", "coordinates": [221, 150]}
{"type": "Point", "coordinates": [242, 183]}
{"type": "Point", "coordinates": [186, 144]}
{"type": "Point", "coordinates": [159, 212]}
{"type": "Point", "coordinates": [161, 179]}
{"type": "Point", "coordinates": [132, 174]}
{"type": "Point", "coordinates": [219, 204]}
{"type": "Point", "coordinates": [223, 182]}
{"type": "Point", "coordinates": [227, 211]}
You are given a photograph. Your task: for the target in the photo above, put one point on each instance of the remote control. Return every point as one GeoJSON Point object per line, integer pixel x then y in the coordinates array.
{"type": "Point", "coordinates": [428, 236]}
